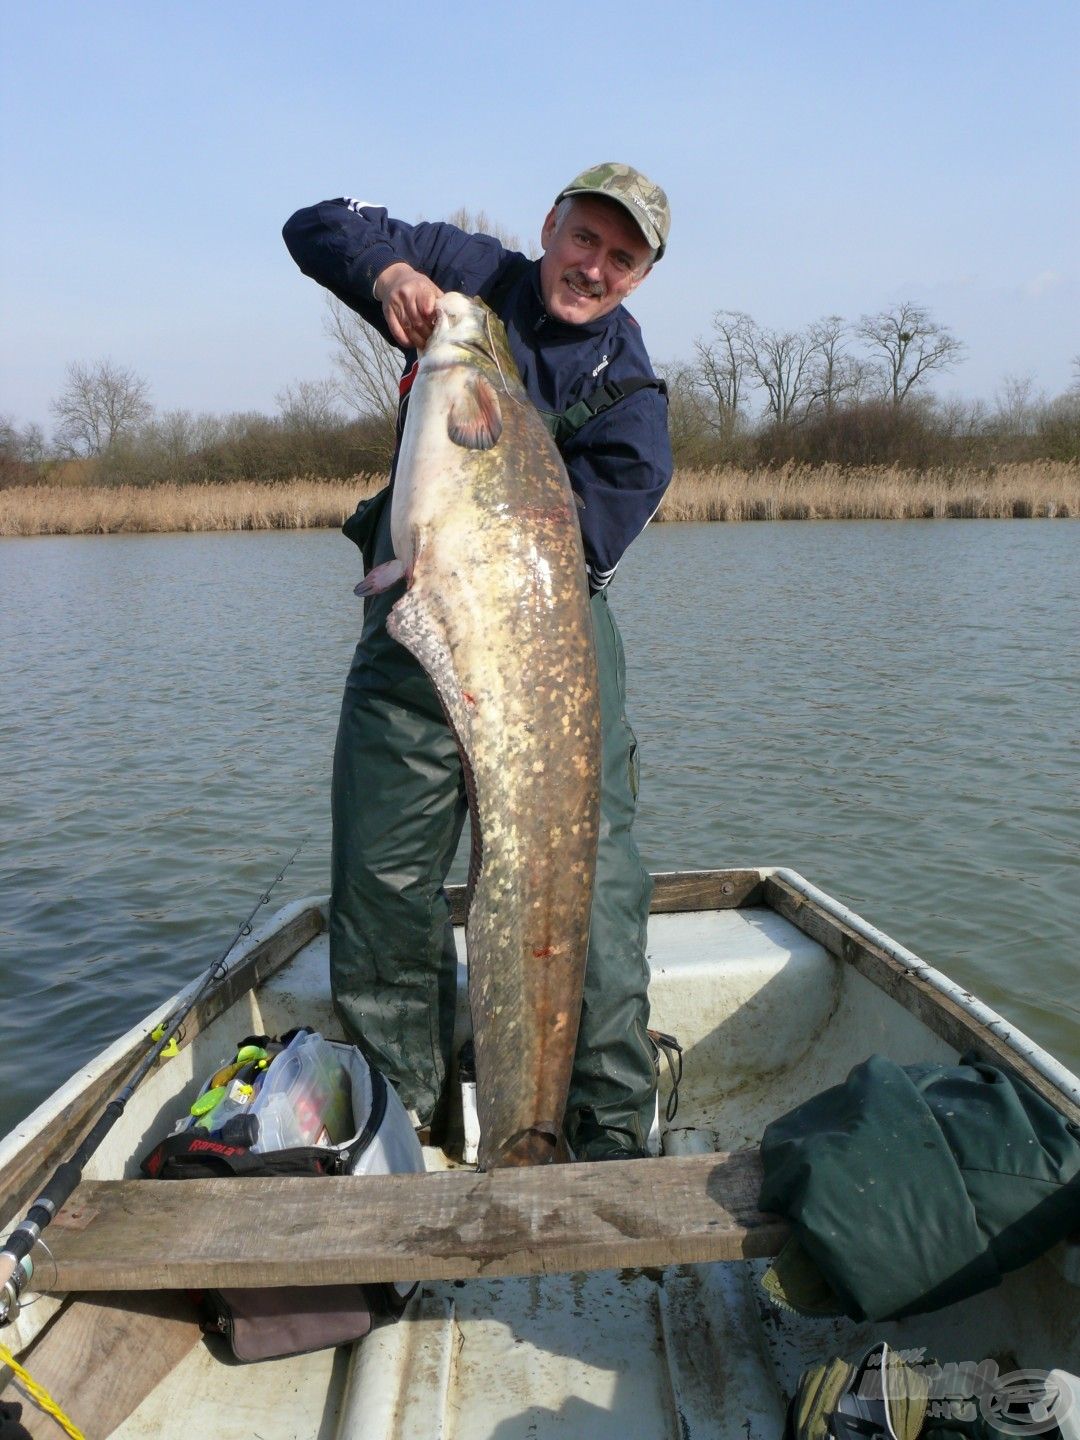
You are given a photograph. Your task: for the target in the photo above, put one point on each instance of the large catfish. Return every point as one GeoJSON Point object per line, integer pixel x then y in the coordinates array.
{"type": "Point", "coordinates": [485, 531]}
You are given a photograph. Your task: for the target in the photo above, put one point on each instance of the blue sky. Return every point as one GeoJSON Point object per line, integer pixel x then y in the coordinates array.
{"type": "Point", "coordinates": [821, 157]}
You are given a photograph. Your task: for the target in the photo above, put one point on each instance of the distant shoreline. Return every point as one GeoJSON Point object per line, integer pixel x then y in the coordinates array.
{"type": "Point", "coordinates": [1032, 490]}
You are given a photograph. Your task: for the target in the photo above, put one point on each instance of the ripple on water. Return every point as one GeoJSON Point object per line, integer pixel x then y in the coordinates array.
{"type": "Point", "coordinates": [887, 708]}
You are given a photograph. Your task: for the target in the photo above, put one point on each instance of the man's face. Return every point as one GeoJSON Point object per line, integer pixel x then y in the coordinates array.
{"type": "Point", "coordinates": [592, 260]}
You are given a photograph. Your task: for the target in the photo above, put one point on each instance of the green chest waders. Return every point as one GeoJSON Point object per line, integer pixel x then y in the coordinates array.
{"type": "Point", "coordinates": [399, 805]}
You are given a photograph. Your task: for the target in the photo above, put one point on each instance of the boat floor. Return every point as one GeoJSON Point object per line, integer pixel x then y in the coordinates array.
{"type": "Point", "coordinates": [681, 1354]}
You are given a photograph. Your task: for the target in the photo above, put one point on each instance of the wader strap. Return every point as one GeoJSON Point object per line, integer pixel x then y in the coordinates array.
{"type": "Point", "coordinates": [563, 427]}
{"type": "Point", "coordinates": [669, 1047]}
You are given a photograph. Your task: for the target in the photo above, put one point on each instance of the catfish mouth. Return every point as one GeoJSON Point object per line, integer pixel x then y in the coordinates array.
{"type": "Point", "coordinates": [448, 352]}
{"type": "Point", "coordinates": [459, 337]}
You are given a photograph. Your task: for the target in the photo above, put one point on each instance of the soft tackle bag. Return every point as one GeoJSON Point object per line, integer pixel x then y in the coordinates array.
{"type": "Point", "coordinates": [320, 1109]}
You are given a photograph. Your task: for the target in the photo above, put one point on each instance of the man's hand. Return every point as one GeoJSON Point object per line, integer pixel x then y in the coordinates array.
{"type": "Point", "coordinates": [408, 302]}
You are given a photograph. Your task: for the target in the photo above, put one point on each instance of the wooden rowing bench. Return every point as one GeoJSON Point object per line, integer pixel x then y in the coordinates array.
{"type": "Point", "coordinates": [110, 1348]}
{"type": "Point", "coordinates": [448, 1225]}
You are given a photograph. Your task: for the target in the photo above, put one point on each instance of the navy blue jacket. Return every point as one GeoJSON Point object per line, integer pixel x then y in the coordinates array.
{"type": "Point", "coordinates": [619, 462]}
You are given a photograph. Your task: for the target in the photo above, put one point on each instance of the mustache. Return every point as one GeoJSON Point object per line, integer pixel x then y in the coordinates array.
{"type": "Point", "coordinates": [591, 287]}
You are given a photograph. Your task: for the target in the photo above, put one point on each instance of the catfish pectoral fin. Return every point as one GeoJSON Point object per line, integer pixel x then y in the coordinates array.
{"type": "Point", "coordinates": [475, 419]}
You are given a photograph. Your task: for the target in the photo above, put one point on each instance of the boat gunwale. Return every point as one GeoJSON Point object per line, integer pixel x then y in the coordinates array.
{"type": "Point", "coordinates": [873, 945]}
{"type": "Point", "coordinates": [47, 1136]}
{"type": "Point", "coordinates": [40, 1141]}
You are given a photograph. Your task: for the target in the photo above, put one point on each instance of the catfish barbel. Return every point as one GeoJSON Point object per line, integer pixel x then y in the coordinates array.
{"type": "Point", "coordinates": [485, 532]}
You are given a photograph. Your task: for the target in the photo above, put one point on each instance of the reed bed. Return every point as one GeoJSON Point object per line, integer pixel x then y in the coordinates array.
{"type": "Point", "coordinates": [1045, 489]}
{"type": "Point", "coordinates": [243, 505]}
{"type": "Point", "coordinates": [1042, 489]}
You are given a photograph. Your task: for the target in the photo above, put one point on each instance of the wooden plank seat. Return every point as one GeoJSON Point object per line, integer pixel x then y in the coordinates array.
{"type": "Point", "coordinates": [144, 1234]}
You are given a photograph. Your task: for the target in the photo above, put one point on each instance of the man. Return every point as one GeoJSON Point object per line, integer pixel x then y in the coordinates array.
{"type": "Point", "coordinates": [398, 795]}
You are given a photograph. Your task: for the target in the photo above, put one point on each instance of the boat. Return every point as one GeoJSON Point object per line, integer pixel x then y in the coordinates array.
{"type": "Point", "coordinates": [592, 1300]}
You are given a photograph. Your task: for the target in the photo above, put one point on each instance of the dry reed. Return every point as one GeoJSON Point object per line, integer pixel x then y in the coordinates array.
{"type": "Point", "coordinates": [242, 505]}
{"type": "Point", "coordinates": [1039, 489]}
{"type": "Point", "coordinates": [829, 492]}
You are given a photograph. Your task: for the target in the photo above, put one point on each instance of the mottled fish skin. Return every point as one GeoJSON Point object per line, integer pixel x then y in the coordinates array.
{"type": "Point", "coordinates": [497, 612]}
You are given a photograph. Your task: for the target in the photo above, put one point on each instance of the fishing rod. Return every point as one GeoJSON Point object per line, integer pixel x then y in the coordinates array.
{"type": "Point", "coordinates": [16, 1267]}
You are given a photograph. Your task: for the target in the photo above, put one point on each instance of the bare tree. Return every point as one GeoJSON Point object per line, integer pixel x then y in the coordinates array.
{"type": "Point", "coordinates": [836, 376]}
{"type": "Point", "coordinates": [178, 433]}
{"type": "Point", "coordinates": [11, 440]}
{"type": "Point", "coordinates": [781, 363]}
{"type": "Point", "coordinates": [957, 418]}
{"type": "Point", "coordinates": [907, 345]}
{"type": "Point", "coordinates": [309, 405]}
{"type": "Point", "coordinates": [721, 366]}
{"type": "Point", "coordinates": [477, 222]}
{"type": "Point", "coordinates": [689, 424]}
{"type": "Point", "coordinates": [1017, 406]}
{"type": "Point", "coordinates": [369, 369]}
{"type": "Point", "coordinates": [12, 466]}
{"type": "Point", "coordinates": [32, 440]}
{"type": "Point", "coordinates": [22, 452]}
{"type": "Point", "coordinates": [162, 449]}
{"type": "Point", "coordinates": [101, 404]}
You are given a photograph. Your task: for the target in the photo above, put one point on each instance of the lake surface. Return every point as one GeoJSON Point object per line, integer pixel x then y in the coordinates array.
{"type": "Point", "coordinates": [890, 708]}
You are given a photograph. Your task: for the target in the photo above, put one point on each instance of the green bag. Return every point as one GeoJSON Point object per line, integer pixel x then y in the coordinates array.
{"type": "Point", "coordinates": [912, 1187]}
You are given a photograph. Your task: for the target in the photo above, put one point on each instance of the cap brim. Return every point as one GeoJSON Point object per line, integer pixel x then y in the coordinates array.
{"type": "Point", "coordinates": [652, 240]}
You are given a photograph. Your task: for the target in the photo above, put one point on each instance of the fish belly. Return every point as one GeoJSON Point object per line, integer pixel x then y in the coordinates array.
{"type": "Point", "coordinates": [498, 614]}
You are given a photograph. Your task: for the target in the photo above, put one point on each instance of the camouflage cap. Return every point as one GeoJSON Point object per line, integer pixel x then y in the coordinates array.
{"type": "Point", "coordinates": [634, 191]}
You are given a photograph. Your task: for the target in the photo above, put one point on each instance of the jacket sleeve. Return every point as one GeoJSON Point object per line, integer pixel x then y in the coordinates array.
{"type": "Point", "coordinates": [345, 245]}
{"type": "Point", "coordinates": [620, 466]}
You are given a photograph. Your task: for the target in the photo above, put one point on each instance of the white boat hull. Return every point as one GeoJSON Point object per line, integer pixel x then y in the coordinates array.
{"type": "Point", "coordinates": [768, 1017]}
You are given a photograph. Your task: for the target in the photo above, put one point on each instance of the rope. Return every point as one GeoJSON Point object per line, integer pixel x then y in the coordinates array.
{"type": "Point", "coordinates": [40, 1395]}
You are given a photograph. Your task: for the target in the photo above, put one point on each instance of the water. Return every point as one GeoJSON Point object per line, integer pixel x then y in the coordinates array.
{"type": "Point", "coordinates": [888, 707]}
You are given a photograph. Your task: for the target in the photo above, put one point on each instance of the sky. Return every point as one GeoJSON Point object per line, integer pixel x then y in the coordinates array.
{"type": "Point", "coordinates": [821, 157]}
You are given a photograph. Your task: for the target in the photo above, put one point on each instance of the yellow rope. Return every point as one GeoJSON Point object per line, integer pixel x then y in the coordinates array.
{"type": "Point", "coordinates": [40, 1395]}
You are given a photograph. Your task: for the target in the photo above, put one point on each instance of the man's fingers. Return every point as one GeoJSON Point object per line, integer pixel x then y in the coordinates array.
{"type": "Point", "coordinates": [415, 334]}
{"type": "Point", "coordinates": [409, 308]}
{"type": "Point", "coordinates": [395, 327]}
{"type": "Point", "coordinates": [423, 313]}
{"type": "Point", "coordinates": [407, 325]}
{"type": "Point", "coordinates": [419, 325]}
